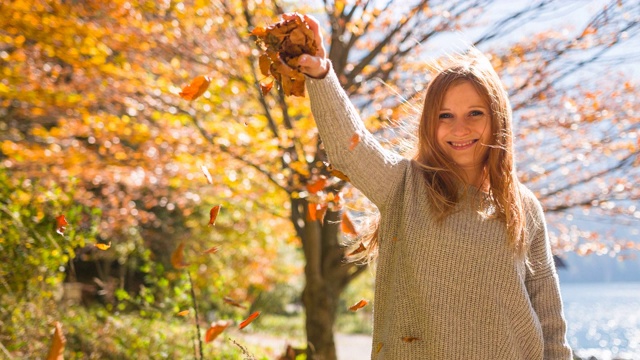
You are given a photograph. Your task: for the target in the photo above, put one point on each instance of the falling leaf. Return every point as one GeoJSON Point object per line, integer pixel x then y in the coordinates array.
{"type": "Point", "coordinates": [379, 347]}
{"type": "Point", "coordinates": [61, 224]}
{"type": "Point", "coordinates": [409, 339]}
{"type": "Point", "coordinates": [266, 87]}
{"type": "Point", "coordinates": [177, 257]}
{"type": "Point", "coordinates": [197, 87]}
{"type": "Point", "coordinates": [316, 185]}
{"type": "Point", "coordinates": [360, 249]}
{"type": "Point", "coordinates": [211, 250]}
{"type": "Point", "coordinates": [312, 210]}
{"type": "Point", "coordinates": [321, 212]}
{"type": "Point", "coordinates": [248, 320]}
{"type": "Point", "coordinates": [206, 173]}
{"type": "Point", "coordinates": [213, 214]}
{"type": "Point", "coordinates": [355, 139]}
{"type": "Point", "coordinates": [336, 173]}
{"type": "Point", "coordinates": [58, 341]}
{"type": "Point", "coordinates": [232, 302]}
{"type": "Point", "coordinates": [359, 305]}
{"type": "Point", "coordinates": [347, 226]}
{"type": "Point", "coordinates": [215, 329]}
{"type": "Point", "coordinates": [183, 313]}
{"type": "Point", "coordinates": [103, 246]}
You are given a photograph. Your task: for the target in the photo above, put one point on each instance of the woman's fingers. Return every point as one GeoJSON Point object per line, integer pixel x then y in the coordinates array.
{"type": "Point", "coordinates": [313, 26]}
{"type": "Point", "coordinates": [314, 66]}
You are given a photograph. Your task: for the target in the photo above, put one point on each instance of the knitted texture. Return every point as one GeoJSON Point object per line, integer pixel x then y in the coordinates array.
{"type": "Point", "coordinates": [450, 289]}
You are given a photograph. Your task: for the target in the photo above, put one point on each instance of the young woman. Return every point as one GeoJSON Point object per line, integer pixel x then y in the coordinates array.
{"type": "Point", "coordinates": [464, 269]}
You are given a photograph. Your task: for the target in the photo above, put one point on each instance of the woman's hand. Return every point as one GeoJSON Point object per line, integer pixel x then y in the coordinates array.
{"type": "Point", "coordinates": [314, 66]}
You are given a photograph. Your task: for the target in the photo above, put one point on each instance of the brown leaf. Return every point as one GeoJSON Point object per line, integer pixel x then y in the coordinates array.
{"type": "Point", "coordinates": [232, 302]}
{"type": "Point", "coordinates": [213, 214]}
{"type": "Point", "coordinates": [264, 62]}
{"type": "Point", "coordinates": [360, 249]}
{"type": "Point", "coordinates": [61, 224]}
{"type": "Point", "coordinates": [211, 250]}
{"type": "Point", "coordinates": [321, 212]}
{"type": "Point", "coordinates": [248, 320]}
{"type": "Point", "coordinates": [409, 339]}
{"type": "Point", "coordinates": [177, 257]}
{"type": "Point", "coordinates": [359, 305]}
{"type": "Point", "coordinates": [58, 341]}
{"type": "Point", "coordinates": [379, 347]}
{"type": "Point", "coordinates": [197, 87]}
{"type": "Point", "coordinates": [266, 87]}
{"type": "Point", "coordinates": [347, 226]}
{"type": "Point", "coordinates": [215, 329]}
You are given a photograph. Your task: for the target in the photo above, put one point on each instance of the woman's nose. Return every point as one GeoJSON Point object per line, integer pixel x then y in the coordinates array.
{"type": "Point", "coordinates": [459, 127]}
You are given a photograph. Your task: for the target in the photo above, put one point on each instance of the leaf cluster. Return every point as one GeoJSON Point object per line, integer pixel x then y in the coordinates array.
{"type": "Point", "coordinates": [283, 43]}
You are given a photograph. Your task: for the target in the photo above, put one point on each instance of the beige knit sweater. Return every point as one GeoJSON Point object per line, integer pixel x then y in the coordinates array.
{"type": "Point", "coordinates": [444, 290]}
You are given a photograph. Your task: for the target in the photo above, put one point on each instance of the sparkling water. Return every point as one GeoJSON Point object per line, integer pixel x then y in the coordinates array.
{"type": "Point", "coordinates": [603, 319]}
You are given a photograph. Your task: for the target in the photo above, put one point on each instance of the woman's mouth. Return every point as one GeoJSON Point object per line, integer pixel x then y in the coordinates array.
{"type": "Point", "coordinates": [462, 145]}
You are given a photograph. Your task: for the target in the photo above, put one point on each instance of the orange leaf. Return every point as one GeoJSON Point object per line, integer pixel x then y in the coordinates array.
{"type": "Point", "coordinates": [61, 224]}
{"type": "Point", "coordinates": [379, 347]}
{"type": "Point", "coordinates": [355, 139]}
{"type": "Point", "coordinates": [206, 173]}
{"type": "Point", "coordinates": [213, 214]}
{"type": "Point", "coordinates": [197, 87]}
{"type": "Point", "coordinates": [183, 313]}
{"type": "Point", "coordinates": [211, 250]}
{"type": "Point", "coordinates": [360, 249]}
{"type": "Point", "coordinates": [321, 212]}
{"type": "Point", "coordinates": [264, 62]}
{"type": "Point", "coordinates": [359, 305]}
{"type": "Point", "coordinates": [177, 257]}
{"type": "Point", "coordinates": [312, 210]}
{"type": "Point", "coordinates": [56, 351]}
{"type": "Point", "coordinates": [215, 329]}
{"type": "Point", "coordinates": [259, 31]}
{"type": "Point", "coordinates": [232, 302]}
{"type": "Point", "coordinates": [317, 185]}
{"type": "Point", "coordinates": [103, 246]}
{"type": "Point", "coordinates": [409, 339]}
{"type": "Point", "coordinates": [266, 87]}
{"type": "Point", "coordinates": [248, 320]}
{"type": "Point", "coordinates": [347, 226]}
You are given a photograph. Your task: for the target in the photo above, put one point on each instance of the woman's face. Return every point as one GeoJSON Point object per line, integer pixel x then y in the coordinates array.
{"type": "Point", "coordinates": [464, 126]}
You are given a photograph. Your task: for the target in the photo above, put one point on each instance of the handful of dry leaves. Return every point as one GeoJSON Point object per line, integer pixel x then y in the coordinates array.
{"type": "Point", "coordinates": [283, 43]}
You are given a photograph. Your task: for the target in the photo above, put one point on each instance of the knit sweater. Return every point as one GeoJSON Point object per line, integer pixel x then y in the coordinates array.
{"type": "Point", "coordinates": [448, 289]}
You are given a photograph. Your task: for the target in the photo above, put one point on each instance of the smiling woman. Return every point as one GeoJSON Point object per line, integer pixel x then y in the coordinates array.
{"type": "Point", "coordinates": [464, 264]}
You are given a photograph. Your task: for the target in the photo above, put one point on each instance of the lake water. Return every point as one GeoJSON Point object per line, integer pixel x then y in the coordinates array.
{"type": "Point", "coordinates": [603, 319]}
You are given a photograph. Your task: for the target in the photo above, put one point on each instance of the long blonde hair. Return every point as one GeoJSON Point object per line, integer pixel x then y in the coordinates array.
{"type": "Point", "coordinates": [444, 177]}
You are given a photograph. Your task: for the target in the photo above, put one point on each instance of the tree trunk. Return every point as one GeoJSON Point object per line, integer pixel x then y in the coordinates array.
{"type": "Point", "coordinates": [326, 277]}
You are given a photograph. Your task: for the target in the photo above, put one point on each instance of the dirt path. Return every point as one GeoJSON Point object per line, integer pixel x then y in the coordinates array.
{"type": "Point", "coordinates": [348, 347]}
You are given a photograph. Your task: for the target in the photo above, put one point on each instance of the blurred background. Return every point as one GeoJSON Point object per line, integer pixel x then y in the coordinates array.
{"type": "Point", "coordinates": [92, 129]}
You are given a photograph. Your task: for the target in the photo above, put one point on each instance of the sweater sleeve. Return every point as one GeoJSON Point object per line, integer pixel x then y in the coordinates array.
{"type": "Point", "coordinates": [371, 168]}
{"type": "Point", "coordinates": [544, 289]}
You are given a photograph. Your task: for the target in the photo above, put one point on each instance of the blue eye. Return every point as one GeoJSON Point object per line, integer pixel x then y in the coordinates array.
{"type": "Point", "coordinates": [445, 116]}
{"type": "Point", "coordinates": [476, 113]}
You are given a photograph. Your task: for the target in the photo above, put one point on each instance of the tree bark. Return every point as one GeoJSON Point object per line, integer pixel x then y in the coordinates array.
{"type": "Point", "coordinates": [326, 277]}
